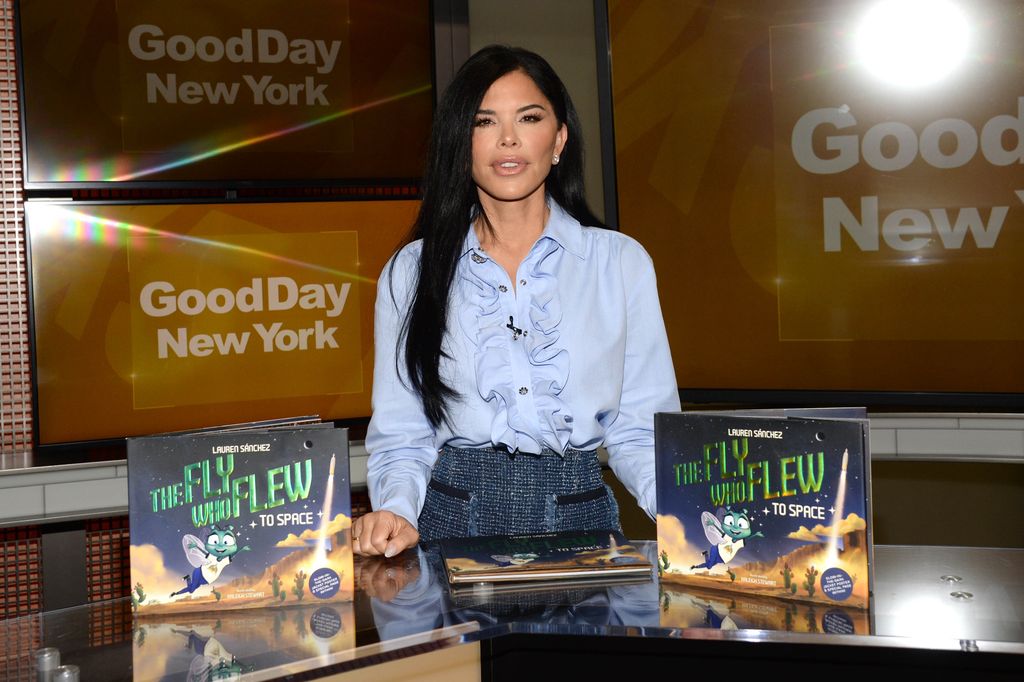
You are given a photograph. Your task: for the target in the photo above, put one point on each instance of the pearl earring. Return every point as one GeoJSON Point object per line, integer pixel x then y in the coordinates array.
{"type": "Point", "coordinates": [554, 159]}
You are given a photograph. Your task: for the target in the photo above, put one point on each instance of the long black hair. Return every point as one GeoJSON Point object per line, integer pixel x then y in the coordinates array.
{"type": "Point", "coordinates": [450, 203]}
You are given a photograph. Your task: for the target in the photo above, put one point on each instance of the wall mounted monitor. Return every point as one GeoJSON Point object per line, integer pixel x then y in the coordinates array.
{"type": "Point", "coordinates": [207, 91]}
{"type": "Point", "coordinates": [161, 317]}
{"type": "Point", "coordinates": [832, 194]}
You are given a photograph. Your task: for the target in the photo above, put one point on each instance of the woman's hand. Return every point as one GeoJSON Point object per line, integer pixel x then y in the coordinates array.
{"type": "Point", "coordinates": [382, 532]}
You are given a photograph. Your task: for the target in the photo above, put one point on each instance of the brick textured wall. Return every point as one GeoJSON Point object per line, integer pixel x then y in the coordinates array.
{"type": "Point", "coordinates": [21, 582]}
{"type": "Point", "coordinates": [16, 394]}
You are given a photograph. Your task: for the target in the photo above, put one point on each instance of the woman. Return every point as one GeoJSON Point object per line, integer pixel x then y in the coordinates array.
{"type": "Point", "coordinates": [511, 341]}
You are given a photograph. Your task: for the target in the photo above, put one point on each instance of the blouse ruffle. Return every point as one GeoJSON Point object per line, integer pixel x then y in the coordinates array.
{"type": "Point", "coordinates": [485, 322]}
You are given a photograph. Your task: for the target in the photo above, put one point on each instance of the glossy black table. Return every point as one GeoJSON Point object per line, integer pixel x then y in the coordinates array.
{"type": "Point", "coordinates": [950, 609]}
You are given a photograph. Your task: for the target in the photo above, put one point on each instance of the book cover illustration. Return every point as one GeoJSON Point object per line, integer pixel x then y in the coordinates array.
{"type": "Point", "coordinates": [207, 646]}
{"type": "Point", "coordinates": [771, 506]}
{"type": "Point", "coordinates": [542, 556]}
{"type": "Point", "coordinates": [243, 519]}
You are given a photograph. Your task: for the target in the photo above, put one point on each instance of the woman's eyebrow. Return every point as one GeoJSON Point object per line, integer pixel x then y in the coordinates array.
{"type": "Point", "coordinates": [520, 110]}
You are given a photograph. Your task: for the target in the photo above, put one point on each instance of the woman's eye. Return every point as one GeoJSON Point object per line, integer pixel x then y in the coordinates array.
{"type": "Point", "coordinates": [531, 118]}
{"type": "Point", "coordinates": [480, 122]}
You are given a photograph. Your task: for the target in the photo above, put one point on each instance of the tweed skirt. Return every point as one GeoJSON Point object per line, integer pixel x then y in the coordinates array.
{"type": "Point", "coordinates": [490, 491]}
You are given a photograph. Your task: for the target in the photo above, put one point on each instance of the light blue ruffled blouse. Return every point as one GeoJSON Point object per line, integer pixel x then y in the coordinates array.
{"type": "Point", "coordinates": [574, 355]}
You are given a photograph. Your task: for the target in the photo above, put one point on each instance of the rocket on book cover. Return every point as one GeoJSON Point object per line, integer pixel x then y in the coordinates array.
{"type": "Point", "coordinates": [776, 507]}
{"type": "Point", "coordinates": [240, 519]}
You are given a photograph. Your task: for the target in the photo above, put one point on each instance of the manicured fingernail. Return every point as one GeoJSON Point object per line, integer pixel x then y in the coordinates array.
{"type": "Point", "coordinates": [390, 551]}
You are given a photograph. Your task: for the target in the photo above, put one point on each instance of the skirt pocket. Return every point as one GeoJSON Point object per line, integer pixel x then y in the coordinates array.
{"type": "Point", "coordinates": [448, 512]}
{"type": "Point", "coordinates": [594, 509]}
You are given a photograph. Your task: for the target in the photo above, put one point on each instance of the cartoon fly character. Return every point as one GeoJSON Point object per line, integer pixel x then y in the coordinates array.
{"type": "Point", "coordinates": [209, 558]}
{"type": "Point", "coordinates": [726, 531]}
{"type": "Point", "coordinates": [517, 559]}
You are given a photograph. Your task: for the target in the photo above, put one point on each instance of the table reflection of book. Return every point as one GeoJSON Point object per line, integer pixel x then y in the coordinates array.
{"type": "Point", "coordinates": [691, 607]}
{"type": "Point", "coordinates": [426, 602]}
{"type": "Point", "coordinates": [227, 645]}
{"type": "Point", "coordinates": [212, 660]}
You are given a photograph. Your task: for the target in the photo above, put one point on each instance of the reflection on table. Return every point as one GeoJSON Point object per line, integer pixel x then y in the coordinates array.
{"type": "Point", "coordinates": [689, 607]}
{"type": "Point", "coordinates": [938, 599]}
{"type": "Point", "coordinates": [224, 645]}
{"type": "Point", "coordinates": [415, 596]}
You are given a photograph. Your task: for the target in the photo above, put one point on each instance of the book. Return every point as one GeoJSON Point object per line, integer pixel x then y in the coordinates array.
{"type": "Point", "coordinates": [548, 557]}
{"type": "Point", "coordinates": [774, 503]}
{"type": "Point", "coordinates": [555, 590]}
{"type": "Point", "coordinates": [241, 517]}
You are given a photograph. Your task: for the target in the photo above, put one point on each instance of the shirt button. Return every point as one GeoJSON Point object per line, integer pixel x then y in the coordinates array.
{"type": "Point", "coordinates": [502, 288]}
{"type": "Point", "coordinates": [522, 282]}
{"type": "Point", "coordinates": [523, 390]}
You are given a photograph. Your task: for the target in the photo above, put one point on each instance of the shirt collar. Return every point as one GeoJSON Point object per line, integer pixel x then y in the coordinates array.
{"type": "Point", "coordinates": [565, 230]}
{"type": "Point", "coordinates": [562, 228]}
{"type": "Point", "coordinates": [470, 243]}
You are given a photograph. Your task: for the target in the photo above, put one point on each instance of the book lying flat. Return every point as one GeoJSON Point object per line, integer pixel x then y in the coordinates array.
{"type": "Point", "coordinates": [555, 591]}
{"type": "Point", "coordinates": [569, 555]}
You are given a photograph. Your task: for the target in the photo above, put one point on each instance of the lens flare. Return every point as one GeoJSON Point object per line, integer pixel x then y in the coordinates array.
{"type": "Point", "coordinates": [83, 227]}
{"type": "Point", "coordinates": [248, 142]}
{"type": "Point", "coordinates": [912, 43]}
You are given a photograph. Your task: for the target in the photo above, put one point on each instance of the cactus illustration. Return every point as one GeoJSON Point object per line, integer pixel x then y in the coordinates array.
{"type": "Point", "coordinates": [787, 575]}
{"type": "Point", "coordinates": [138, 596]}
{"type": "Point", "coordinates": [275, 584]}
{"type": "Point", "coordinates": [732, 576]}
{"type": "Point", "coordinates": [792, 588]}
{"type": "Point", "coordinates": [216, 593]}
{"type": "Point", "coordinates": [663, 563]}
{"type": "Point", "coordinates": [811, 574]}
{"type": "Point", "coordinates": [300, 581]}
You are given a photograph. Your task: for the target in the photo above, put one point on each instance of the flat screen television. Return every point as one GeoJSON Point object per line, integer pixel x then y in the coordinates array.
{"type": "Point", "coordinates": [156, 317]}
{"type": "Point", "coordinates": [832, 195]}
{"type": "Point", "coordinates": [152, 93]}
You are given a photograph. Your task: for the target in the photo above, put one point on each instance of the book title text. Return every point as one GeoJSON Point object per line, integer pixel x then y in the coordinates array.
{"type": "Point", "coordinates": [732, 479]}
{"type": "Point", "coordinates": [217, 494]}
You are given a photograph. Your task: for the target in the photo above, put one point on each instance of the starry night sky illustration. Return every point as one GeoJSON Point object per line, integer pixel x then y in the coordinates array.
{"type": "Point", "coordinates": [681, 437]}
{"type": "Point", "coordinates": [161, 461]}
